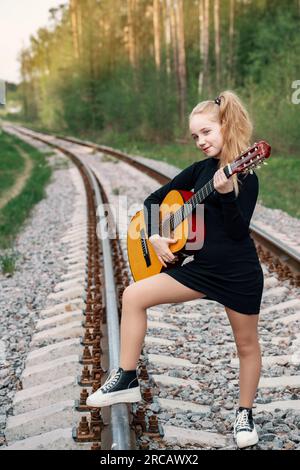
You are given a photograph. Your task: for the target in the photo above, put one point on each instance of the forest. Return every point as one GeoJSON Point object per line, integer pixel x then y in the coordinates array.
{"type": "Point", "coordinates": [138, 67]}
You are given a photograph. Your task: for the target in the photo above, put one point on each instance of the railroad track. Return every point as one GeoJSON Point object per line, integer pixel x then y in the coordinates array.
{"type": "Point", "coordinates": [183, 383]}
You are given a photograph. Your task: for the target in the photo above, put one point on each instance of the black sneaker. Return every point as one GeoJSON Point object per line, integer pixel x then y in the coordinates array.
{"type": "Point", "coordinates": [244, 430]}
{"type": "Point", "coordinates": [120, 387]}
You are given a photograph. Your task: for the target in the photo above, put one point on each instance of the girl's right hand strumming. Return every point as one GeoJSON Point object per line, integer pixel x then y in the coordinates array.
{"type": "Point", "coordinates": [161, 247]}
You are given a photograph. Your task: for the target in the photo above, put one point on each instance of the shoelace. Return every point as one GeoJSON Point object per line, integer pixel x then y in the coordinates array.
{"type": "Point", "coordinates": [242, 420]}
{"type": "Point", "coordinates": [111, 380]}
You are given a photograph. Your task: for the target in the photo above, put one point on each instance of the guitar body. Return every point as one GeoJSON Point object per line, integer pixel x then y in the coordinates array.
{"type": "Point", "coordinates": [142, 257]}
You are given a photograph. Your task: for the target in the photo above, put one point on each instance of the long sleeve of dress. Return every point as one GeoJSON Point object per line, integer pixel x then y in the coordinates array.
{"type": "Point", "coordinates": [237, 211]}
{"type": "Point", "coordinates": [184, 180]}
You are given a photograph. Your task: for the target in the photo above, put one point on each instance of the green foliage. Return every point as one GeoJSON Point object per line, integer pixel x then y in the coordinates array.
{"type": "Point", "coordinates": [279, 185]}
{"type": "Point", "coordinates": [267, 72]}
{"type": "Point", "coordinates": [11, 162]}
{"type": "Point", "coordinates": [15, 212]}
{"type": "Point", "coordinates": [8, 263]}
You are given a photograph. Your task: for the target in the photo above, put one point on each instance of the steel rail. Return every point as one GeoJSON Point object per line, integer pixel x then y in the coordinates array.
{"type": "Point", "coordinates": [119, 413]}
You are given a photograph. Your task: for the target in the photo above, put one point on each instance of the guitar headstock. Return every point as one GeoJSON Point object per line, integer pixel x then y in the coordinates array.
{"type": "Point", "coordinates": [251, 158]}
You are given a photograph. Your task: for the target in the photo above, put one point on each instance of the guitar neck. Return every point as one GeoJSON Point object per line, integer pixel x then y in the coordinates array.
{"type": "Point", "coordinates": [175, 219]}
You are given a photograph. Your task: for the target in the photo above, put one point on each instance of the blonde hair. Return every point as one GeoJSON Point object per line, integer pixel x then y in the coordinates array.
{"type": "Point", "coordinates": [236, 126]}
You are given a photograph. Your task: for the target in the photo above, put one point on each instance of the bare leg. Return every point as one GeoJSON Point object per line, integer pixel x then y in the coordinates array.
{"type": "Point", "coordinates": [245, 333]}
{"type": "Point", "coordinates": [155, 290]}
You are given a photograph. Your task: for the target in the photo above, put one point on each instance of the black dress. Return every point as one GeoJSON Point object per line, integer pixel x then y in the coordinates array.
{"type": "Point", "coordinates": [226, 268]}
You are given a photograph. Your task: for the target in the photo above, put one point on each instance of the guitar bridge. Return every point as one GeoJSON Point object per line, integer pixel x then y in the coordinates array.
{"type": "Point", "coordinates": [145, 250]}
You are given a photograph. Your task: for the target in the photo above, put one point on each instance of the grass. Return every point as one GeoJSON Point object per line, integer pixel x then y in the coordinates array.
{"type": "Point", "coordinates": [279, 184]}
{"type": "Point", "coordinates": [16, 211]}
{"type": "Point", "coordinates": [8, 263]}
{"type": "Point", "coordinates": [11, 163]}
{"type": "Point", "coordinates": [180, 155]}
{"type": "Point", "coordinates": [279, 188]}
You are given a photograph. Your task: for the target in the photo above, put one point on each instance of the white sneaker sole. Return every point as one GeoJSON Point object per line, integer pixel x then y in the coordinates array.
{"type": "Point", "coordinates": [243, 441]}
{"type": "Point", "coordinates": [99, 399]}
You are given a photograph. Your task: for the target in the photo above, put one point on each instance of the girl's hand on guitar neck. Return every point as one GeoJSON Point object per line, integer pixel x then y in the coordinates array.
{"type": "Point", "coordinates": [221, 183]}
{"type": "Point", "coordinates": [161, 247]}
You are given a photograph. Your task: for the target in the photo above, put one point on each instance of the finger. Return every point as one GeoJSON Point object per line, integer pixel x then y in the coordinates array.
{"type": "Point", "coordinates": [170, 256]}
{"type": "Point", "coordinates": [221, 178]}
{"type": "Point", "coordinates": [216, 183]}
{"type": "Point", "coordinates": [162, 261]}
{"type": "Point", "coordinates": [216, 177]}
{"type": "Point", "coordinates": [162, 257]}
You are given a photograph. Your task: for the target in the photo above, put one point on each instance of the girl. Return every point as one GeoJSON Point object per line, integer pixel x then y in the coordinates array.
{"type": "Point", "coordinates": [226, 269]}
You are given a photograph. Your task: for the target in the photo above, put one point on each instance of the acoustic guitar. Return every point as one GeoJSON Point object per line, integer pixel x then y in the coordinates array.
{"type": "Point", "coordinates": [177, 219]}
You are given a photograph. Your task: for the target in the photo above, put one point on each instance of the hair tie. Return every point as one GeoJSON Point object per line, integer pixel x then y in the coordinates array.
{"type": "Point", "coordinates": [218, 100]}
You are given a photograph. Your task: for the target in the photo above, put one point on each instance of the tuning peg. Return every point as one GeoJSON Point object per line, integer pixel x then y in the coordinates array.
{"type": "Point", "coordinates": [251, 171]}
{"type": "Point", "coordinates": [265, 163]}
{"type": "Point", "coordinates": [258, 167]}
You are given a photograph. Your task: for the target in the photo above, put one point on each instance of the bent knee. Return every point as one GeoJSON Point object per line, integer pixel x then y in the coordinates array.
{"type": "Point", "coordinates": [139, 296]}
{"type": "Point", "coordinates": [131, 294]}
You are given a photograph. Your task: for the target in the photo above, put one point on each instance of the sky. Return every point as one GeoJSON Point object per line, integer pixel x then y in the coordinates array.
{"type": "Point", "coordinates": [18, 20]}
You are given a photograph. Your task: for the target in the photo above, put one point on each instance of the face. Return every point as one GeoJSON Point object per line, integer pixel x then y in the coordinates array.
{"type": "Point", "coordinates": [207, 134]}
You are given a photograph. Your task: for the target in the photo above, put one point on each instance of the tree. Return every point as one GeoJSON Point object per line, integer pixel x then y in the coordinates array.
{"type": "Point", "coordinates": [204, 44]}
{"type": "Point", "coordinates": [217, 41]}
{"type": "Point", "coordinates": [156, 31]}
{"type": "Point", "coordinates": [231, 43]}
{"type": "Point", "coordinates": [75, 30]}
{"type": "Point", "coordinates": [131, 33]}
{"type": "Point", "coordinates": [178, 6]}
{"type": "Point", "coordinates": [167, 32]}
